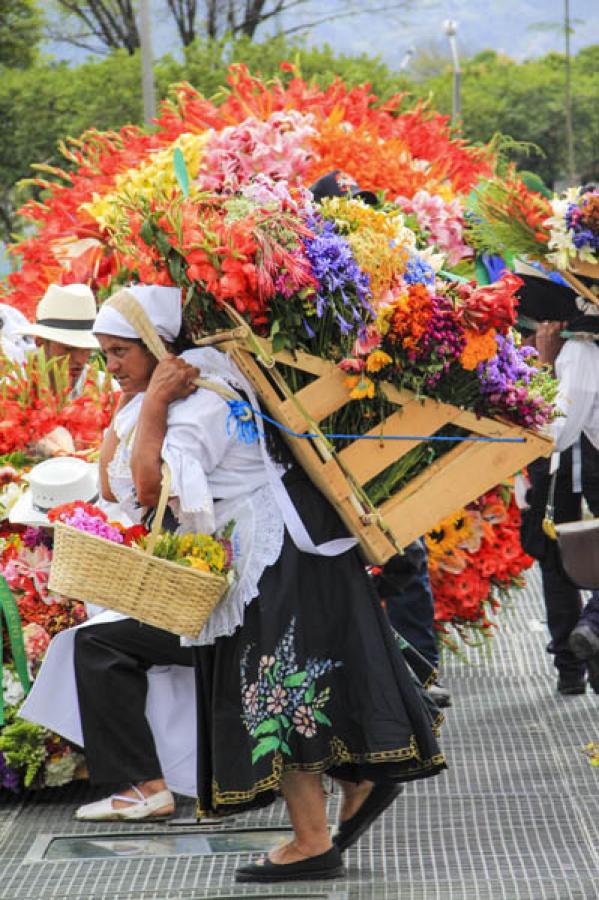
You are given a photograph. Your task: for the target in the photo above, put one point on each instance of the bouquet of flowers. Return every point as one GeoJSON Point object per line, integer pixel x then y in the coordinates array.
{"type": "Point", "coordinates": [475, 563]}
{"type": "Point", "coordinates": [574, 229]}
{"type": "Point", "coordinates": [30, 755]}
{"type": "Point", "coordinates": [508, 218]}
{"type": "Point", "coordinates": [35, 400]}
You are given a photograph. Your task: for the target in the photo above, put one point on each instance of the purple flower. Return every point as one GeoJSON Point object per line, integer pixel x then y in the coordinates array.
{"type": "Point", "coordinates": [418, 272]}
{"type": "Point", "coordinates": [9, 778]}
{"type": "Point", "coordinates": [35, 537]}
{"type": "Point", "coordinates": [506, 383]}
{"type": "Point", "coordinates": [342, 286]}
{"type": "Point", "coordinates": [83, 521]}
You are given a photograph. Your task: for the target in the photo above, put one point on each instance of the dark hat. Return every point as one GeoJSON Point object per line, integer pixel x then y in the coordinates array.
{"type": "Point", "coordinates": [545, 300]}
{"type": "Point", "coordinates": [338, 184]}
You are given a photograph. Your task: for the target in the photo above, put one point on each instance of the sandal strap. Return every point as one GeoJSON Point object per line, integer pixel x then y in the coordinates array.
{"type": "Point", "coordinates": [133, 800]}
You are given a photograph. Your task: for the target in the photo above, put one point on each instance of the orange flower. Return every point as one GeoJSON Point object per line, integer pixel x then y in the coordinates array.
{"type": "Point", "coordinates": [479, 348]}
{"type": "Point", "coordinates": [361, 387]}
{"type": "Point", "coordinates": [377, 361]}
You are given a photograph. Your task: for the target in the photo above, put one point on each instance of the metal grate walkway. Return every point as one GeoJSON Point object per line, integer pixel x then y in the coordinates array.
{"type": "Point", "coordinates": [515, 818]}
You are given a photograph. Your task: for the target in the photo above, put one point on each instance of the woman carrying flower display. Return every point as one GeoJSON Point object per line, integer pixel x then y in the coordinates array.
{"type": "Point", "coordinates": [298, 672]}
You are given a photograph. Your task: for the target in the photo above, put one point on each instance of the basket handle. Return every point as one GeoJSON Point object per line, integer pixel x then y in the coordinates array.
{"type": "Point", "coordinates": [131, 309]}
{"type": "Point", "coordinates": [160, 510]}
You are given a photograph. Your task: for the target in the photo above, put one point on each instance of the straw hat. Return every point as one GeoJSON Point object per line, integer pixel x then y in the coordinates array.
{"type": "Point", "coordinates": [52, 483]}
{"type": "Point", "coordinates": [66, 313]}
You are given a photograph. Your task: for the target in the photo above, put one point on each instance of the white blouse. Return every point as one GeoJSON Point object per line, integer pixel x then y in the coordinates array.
{"type": "Point", "coordinates": [577, 370]}
{"type": "Point", "coordinates": [215, 478]}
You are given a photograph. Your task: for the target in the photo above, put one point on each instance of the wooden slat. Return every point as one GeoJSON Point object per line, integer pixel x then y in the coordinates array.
{"type": "Point", "coordinates": [450, 483]}
{"type": "Point", "coordinates": [367, 459]}
{"type": "Point", "coordinates": [321, 398]}
{"type": "Point", "coordinates": [453, 481]}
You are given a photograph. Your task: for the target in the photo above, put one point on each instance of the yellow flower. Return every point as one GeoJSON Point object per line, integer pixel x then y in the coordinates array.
{"type": "Point", "coordinates": [448, 534]}
{"type": "Point", "coordinates": [154, 175]}
{"type": "Point", "coordinates": [479, 348]}
{"type": "Point", "coordinates": [379, 240]}
{"type": "Point", "coordinates": [377, 361]}
{"type": "Point", "coordinates": [361, 387]}
{"type": "Point", "coordinates": [200, 565]}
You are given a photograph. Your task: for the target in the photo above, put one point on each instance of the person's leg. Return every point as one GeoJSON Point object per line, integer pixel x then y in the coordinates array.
{"type": "Point", "coordinates": [404, 586]}
{"type": "Point", "coordinates": [305, 800]}
{"type": "Point", "coordinates": [562, 600]}
{"type": "Point", "coordinates": [563, 605]}
{"type": "Point", "coordinates": [111, 664]}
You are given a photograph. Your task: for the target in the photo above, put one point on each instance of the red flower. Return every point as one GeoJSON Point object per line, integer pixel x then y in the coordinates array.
{"type": "Point", "coordinates": [493, 306]}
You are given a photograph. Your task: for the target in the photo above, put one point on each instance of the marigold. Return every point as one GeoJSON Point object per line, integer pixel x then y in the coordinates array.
{"type": "Point", "coordinates": [479, 348]}
{"type": "Point", "coordinates": [377, 361]}
{"type": "Point", "coordinates": [360, 387]}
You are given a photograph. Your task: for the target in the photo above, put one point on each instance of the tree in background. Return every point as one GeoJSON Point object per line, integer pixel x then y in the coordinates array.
{"type": "Point", "coordinates": [21, 24]}
{"type": "Point", "coordinates": [101, 25]}
{"type": "Point", "coordinates": [526, 100]}
{"type": "Point", "coordinates": [111, 24]}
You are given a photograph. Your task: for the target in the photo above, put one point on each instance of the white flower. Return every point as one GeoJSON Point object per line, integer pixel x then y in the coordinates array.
{"type": "Point", "coordinates": [9, 496]}
{"type": "Point", "coordinates": [12, 689]}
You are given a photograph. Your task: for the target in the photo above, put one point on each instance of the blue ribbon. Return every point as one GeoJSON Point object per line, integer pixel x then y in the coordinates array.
{"type": "Point", "coordinates": [240, 418]}
{"type": "Point", "coordinates": [240, 415]}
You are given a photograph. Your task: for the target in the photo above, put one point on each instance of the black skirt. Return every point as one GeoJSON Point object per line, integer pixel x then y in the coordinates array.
{"type": "Point", "coordinates": [314, 680]}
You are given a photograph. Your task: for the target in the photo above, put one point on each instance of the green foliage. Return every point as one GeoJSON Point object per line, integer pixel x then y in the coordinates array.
{"type": "Point", "coordinates": [21, 25]}
{"type": "Point", "coordinates": [526, 101]}
{"type": "Point", "coordinates": [24, 747]}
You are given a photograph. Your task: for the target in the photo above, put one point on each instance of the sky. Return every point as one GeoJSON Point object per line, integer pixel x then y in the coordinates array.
{"type": "Point", "coordinates": [509, 26]}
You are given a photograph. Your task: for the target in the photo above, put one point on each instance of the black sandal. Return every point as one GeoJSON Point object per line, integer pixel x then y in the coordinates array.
{"type": "Point", "coordinates": [377, 801]}
{"type": "Point", "coordinates": [315, 868]}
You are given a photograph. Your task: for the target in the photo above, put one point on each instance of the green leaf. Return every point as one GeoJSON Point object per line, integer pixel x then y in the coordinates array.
{"type": "Point", "coordinates": [269, 726]}
{"type": "Point", "coordinates": [287, 749]}
{"type": "Point", "coordinates": [295, 680]}
{"type": "Point", "coordinates": [309, 695]}
{"type": "Point", "coordinates": [266, 745]}
{"type": "Point", "coordinates": [162, 244]}
{"type": "Point", "coordinates": [320, 717]}
{"type": "Point", "coordinates": [279, 342]}
{"type": "Point", "coordinates": [181, 173]}
{"type": "Point", "coordinates": [275, 328]}
{"type": "Point", "coordinates": [285, 721]}
{"type": "Point", "coordinates": [146, 232]}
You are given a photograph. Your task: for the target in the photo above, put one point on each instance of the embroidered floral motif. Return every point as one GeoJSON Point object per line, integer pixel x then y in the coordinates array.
{"type": "Point", "coordinates": [285, 698]}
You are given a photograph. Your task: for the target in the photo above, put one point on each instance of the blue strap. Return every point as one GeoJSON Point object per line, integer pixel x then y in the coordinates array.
{"type": "Point", "coordinates": [240, 413]}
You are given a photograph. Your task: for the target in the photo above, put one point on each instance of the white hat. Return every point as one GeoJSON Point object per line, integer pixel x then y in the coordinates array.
{"type": "Point", "coordinates": [66, 314]}
{"type": "Point", "coordinates": [52, 483]}
{"type": "Point", "coordinates": [162, 305]}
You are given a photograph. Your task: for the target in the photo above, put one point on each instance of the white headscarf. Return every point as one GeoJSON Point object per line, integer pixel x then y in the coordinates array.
{"type": "Point", "coordinates": [162, 305]}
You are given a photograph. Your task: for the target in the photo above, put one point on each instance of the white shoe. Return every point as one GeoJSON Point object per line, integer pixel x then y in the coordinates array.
{"type": "Point", "coordinates": [140, 807]}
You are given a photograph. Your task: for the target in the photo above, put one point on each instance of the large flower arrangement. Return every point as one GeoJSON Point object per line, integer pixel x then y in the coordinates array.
{"type": "Point", "coordinates": [36, 400]}
{"type": "Point", "coordinates": [215, 201]}
{"type": "Point", "coordinates": [290, 133]}
{"type": "Point", "coordinates": [561, 233]}
{"type": "Point", "coordinates": [475, 562]}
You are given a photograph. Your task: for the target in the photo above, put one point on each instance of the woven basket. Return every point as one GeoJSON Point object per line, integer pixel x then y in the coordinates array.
{"type": "Point", "coordinates": [132, 581]}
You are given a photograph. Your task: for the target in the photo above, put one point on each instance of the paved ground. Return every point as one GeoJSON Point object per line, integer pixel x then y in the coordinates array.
{"type": "Point", "coordinates": [515, 818]}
